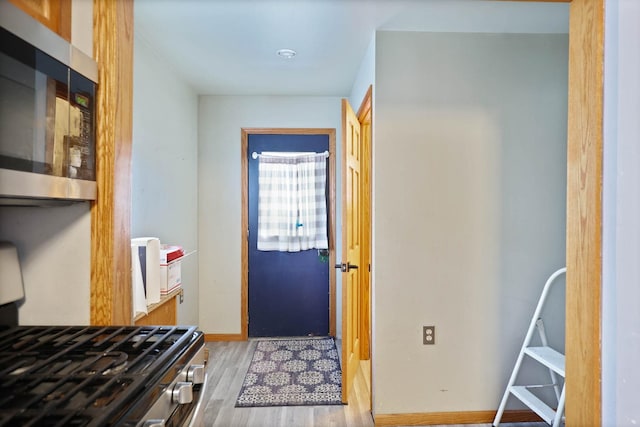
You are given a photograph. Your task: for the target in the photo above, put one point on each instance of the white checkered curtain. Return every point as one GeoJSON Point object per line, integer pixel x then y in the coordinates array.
{"type": "Point", "coordinates": [292, 203]}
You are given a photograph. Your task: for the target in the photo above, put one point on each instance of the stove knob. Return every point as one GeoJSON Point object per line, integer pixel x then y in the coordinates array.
{"type": "Point", "coordinates": [195, 374]}
{"type": "Point", "coordinates": [154, 423]}
{"type": "Point", "coordinates": [182, 393]}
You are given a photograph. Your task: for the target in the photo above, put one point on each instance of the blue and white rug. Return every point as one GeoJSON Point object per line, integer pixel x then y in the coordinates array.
{"type": "Point", "coordinates": [290, 372]}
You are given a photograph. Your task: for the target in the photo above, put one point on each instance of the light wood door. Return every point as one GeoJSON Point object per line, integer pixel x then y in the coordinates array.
{"type": "Point", "coordinates": [351, 233]}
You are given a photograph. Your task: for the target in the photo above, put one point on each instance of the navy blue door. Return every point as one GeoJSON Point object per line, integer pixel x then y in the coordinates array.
{"type": "Point", "coordinates": [288, 291]}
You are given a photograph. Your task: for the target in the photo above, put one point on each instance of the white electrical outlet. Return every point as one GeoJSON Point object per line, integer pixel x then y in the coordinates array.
{"type": "Point", "coordinates": [428, 335]}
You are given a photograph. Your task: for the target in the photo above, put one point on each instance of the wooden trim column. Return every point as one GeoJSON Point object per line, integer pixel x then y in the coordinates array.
{"type": "Point", "coordinates": [584, 214]}
{"type": "Point", "coordinates": [111, 212]}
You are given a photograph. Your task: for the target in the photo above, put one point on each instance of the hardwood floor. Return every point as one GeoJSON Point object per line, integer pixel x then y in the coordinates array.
{"type": "Point", "coordinates": [228, 364]}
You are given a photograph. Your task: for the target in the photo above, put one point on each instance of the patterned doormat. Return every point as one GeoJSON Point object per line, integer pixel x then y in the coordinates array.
{"type": "Point", "coordinates": [289, 372]}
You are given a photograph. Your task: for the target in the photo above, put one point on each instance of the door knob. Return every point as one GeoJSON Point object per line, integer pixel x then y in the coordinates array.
{"type": "Point", "coordinates": [346, 267]}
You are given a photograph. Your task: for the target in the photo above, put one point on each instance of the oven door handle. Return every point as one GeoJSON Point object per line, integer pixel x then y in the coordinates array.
{"type": "Point", "coordinates": [197, 416]}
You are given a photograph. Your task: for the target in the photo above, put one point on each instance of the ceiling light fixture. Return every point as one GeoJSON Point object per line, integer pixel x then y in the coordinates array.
{"type": "Point", "coordinates": [286, 53]}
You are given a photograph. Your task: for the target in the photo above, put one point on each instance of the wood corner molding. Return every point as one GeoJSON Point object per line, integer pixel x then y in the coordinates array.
{"type": "Point", "coordinates": [111, 301]}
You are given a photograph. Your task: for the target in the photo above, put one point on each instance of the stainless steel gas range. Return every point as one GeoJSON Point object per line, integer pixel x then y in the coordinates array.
{"type": "Point", "coordinates": [102, 376]}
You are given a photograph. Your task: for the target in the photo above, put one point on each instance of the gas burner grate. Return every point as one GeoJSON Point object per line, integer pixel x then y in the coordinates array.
{"type": "Point", "coordinates": [84, 376]}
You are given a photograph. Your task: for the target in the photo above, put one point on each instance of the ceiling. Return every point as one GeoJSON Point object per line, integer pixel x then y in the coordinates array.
{"type": "Point", "coordinates": [228, 47]}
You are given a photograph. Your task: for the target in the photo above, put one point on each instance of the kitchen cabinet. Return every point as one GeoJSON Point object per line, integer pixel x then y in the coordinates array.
{"type": "Point", "coordinates": [161, 313]}
{"type": "Point", "coordinates": [56, 15]}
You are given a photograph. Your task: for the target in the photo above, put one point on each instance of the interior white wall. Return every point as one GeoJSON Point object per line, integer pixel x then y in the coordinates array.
{"type": "Point", "coordinates": [365, 77]}
{"type": "Point", "coordinates": [469, 214]}
{"type": "Point", "coordinates": [220, 120]}
{"type": "Point", "coordinates": [164, 188]}
{"type": "Point", "coordinates": [54, 247]}
{"type": "Point", "coordinates": [621, 218]}
{"type": "Point", "coordinates": [54, 243]}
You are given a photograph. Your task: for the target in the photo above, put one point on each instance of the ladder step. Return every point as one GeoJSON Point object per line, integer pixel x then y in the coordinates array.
{"type": "Point", "coordinates": [549, 357]}
{"type": "Point", "coordinates": [532, 401]}
{"type": "Point", "coordinates": [544, 355]}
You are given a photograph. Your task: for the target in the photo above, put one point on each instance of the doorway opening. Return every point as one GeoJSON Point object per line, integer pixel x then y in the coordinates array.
{"type": "Point", "coordinates": [288, 246]}
{"type": "Point", "coordinates": [265, 135]}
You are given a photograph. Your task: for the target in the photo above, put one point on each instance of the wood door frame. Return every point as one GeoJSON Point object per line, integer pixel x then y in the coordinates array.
{"type": "Point", "coordinates": [244, 237]}
{"type": "Point", "coordinates": [365, 117]}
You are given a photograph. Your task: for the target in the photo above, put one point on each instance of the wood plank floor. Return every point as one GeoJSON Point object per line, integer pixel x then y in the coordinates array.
{"type": "Point", "coordinates": [228, 364]}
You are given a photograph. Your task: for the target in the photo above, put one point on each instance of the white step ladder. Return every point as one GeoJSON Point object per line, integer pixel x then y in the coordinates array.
{"type": "Point", "coordinates": [545, 355]}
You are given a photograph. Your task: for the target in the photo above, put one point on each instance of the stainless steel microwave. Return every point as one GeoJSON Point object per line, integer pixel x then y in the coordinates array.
{"type": "Point", "coordinates": [47, 114]}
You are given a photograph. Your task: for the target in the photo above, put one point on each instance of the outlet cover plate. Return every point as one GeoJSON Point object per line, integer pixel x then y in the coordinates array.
{"type": "Point", "coordinates": [428, 335]}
